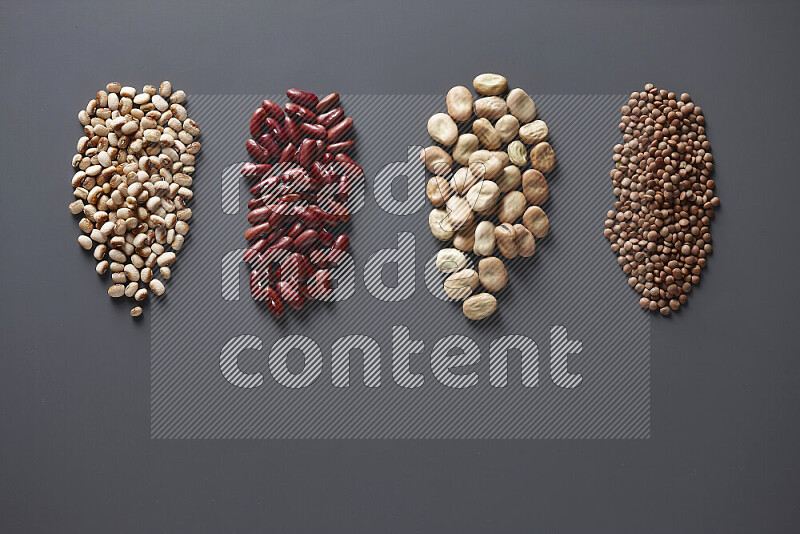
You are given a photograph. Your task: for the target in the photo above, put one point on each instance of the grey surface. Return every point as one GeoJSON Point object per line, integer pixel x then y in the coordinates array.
{"type": "Point", "coordinates": [75, 450]}
{"type": "Point", "coordinates": [569, 282]}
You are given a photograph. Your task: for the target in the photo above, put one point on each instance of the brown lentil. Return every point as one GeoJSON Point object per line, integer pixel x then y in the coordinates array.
{"type": "Point", "coordinates": [660, 224]}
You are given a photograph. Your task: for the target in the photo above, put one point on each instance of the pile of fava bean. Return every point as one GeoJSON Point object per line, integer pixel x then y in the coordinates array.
{"type": "Point", "coordinates": [300, 200]}
{"type": "Point", "coordinates": [479, 205]}
{"type": "Point", "coordinates": [660, 224]}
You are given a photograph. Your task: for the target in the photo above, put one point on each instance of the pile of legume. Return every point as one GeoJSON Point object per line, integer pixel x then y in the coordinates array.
{"type": "Point", "coordinates": [659, 227]}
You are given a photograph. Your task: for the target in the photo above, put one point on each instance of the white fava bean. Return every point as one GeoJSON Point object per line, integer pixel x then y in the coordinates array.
{"type": "Point", "coordinates": [512, 206]}
{"type": "Point", "coordinates": [450, 260]}
{"type": "Point", "coordinates": [535, 220]}
{"type": "Point", "coordinates": [463, 179]}
{"type": "Point", "coordinates": [464, 238]}
{"type": "Point", "coordinates": [479, 306]}
{"type": "Point", "coordinates": [486, 133]}
{"type": "Point", "coordinates": [439, 223]}
{"type": "Point", "coordinates": [438, 191]}
{"type": "Point", "coordinates": [483, 195]}
{"type": "Point", "coordinates": [460, 212]}
{"type": "Point", "coordinates": [493, 274]}
{"type": "Point", "coordinates": [490, 107]}
{"type": "Point", "coordinates": [490, 84]}
{"type": "Point", "coordinates": [521, 105]}
{"type": "Point", "coordinates": [459, 103]}
{"type": "Point", "coordinates": [484, 239]}
{"type": "Point", "coordinates": [510, 178]}
{"type": "Point", "coordinates": [507, 128]}
{"type": "Point", "coordinates": [534, 187]}
{"type": "Point", "coordinates": [534, 132]}
{"type": "Point", "coordinates": [465, 145]}
{"type": "Point", "coordinates": [504, 237]}
{"type": "Point", "coordinates": [443, 129]}
{"type": "Point", "coordinates": [543, 158]}
{"type": "Point", "coordinates": [526, 243]}
{"type": "Point", "coordinates": [517, 153]}
{"type": "Point", "coordinates": [461, 284]}
{"type": "Point", "coordinates": [486, 164]}
{"type": "Point", "coordinates": [436, 160]}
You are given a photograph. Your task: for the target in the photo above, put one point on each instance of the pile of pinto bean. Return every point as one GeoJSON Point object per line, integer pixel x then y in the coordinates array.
{"type": "Point", "coordinates": [299, 203]}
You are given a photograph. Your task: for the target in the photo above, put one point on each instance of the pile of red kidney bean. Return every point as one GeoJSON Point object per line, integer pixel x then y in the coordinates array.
{"type": "Point", "coordinates": [304, 184]}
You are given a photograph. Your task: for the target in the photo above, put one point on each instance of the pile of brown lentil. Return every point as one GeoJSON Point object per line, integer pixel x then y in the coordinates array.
{"type": "Point", "coordinates": [659, 227]}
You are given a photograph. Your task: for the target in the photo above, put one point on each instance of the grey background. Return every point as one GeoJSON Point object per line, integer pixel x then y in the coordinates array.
{"type": "Point", "coordinates": [74, 383]}
{"type": "Point", "coordinates": [572, 281]}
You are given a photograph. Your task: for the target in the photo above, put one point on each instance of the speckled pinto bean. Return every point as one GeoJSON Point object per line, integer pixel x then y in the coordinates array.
{"type": "Point", "coordinates": [134, 180]}
{"type": "Point", "coordinates": [305, 183]}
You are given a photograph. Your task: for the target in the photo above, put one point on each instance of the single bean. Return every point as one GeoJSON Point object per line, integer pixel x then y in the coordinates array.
{"type": "Point", "coordinates": [459, 103]}
{"type": "Point", "coordinates": [493, 274]}
{"type": "Point", "coordinates": [479, 306]}
{"type": "Point", "coordinates": [327, 102]}
{"type": "Point", "coordinates": [304, 98]}
{"type": "Point", "coordinates": [461, 284]}
{"type": "Point", "coordinates": [257, 122]}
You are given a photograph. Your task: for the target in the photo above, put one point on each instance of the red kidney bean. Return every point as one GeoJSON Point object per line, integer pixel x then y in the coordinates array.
{"type": "Point", "coordinates": [314, 131]}
{"type": "Point", "coordinates": [295, 266]}
{"type": "Point", "coordinates": [254, 250]}
{"type": "Point", "coordinates": [291, 130]}
{"type": "Point", "coordinates": [327, 219]}
{"type": "Point", "coordinates": [330, 118]}
{"type": "Point", "coordinates": [296, 229]}
{"type": "Point", "coordinates": [336, 209]}
{"type": "Point", "coordinates": [304, 98]}
{"type": "Point", "coordinates": [319, 257]}
{"type": "Point", "coordinates": [325, 237]}
{"type": "Point", "coordinates": [275, 129]}
{"type": "Point", "coordinates": [327, 103]}
{"type": "Point", "coordinates": [320, 285]}
{"type": "Point", "coordinates": [257, 122]}
{"type": "Point", "coordinates": [273, 256]}
{"type": "Point", "coordinates": [322, 146]}
{"type": "Point", "coordinates": [343, 191]}
{"type": "Point", "coordinates": [261, 214]}
{"type": "Point", "coordinates": [288, 153]}
{"type": "Point", "coordinates": [306, 240]}
{"type": "Point", "coordinates": [299, 113]}
{"type": "Point", "coordinates": [275, 235]}
{"type": "Point", "coordinates": [258, 152]}
{"type": "Point", "coordinates": [272, 109]}
{"type": "Point", "coordinates": [322, 173]}
{"type": "Point", "coordinates": [342, 242]}
{"type": "Point", "coordinates": [309, 217]}
{"type": "Point", "coordinates": [289, 198]}
{"type": "Point", "coordinates": [349, 167]}
{"type": "Point", "coordinates": [274, 304]}
{"type": "Point", "coordinates": [327, 158]}
{"type": "Point", "coordinates": [269, 145]}
{"type": "Point", "coordinates": [267, 185]}
{"type": "Point", "coordinates": [288, 292]}
{"type": "Point", "coordinates": [340, 130]}
{"type": "Point", "coordinates": [257, 231]}
{"type": "Point", "coordinates": [284, 243]}
{"type": "Point", "coordinates": [256, 170]}
{"type": "Point", "coordinates": [292, 175]}
{"type": "Point", "coordinates": [254, 203]}
{"type": "Point", "coordinates": [256, 289]}
{"type": "Point", "coordinates": [307, 150]}
{"type": "Point", "coordinates": [343, 146]}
